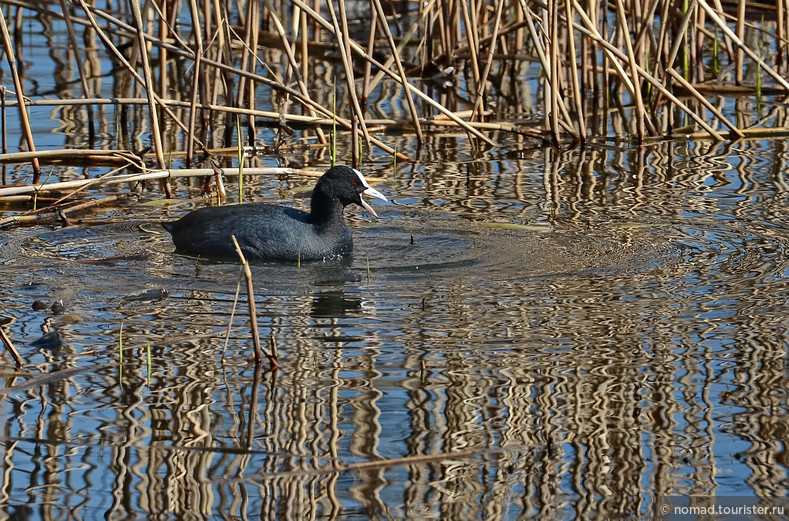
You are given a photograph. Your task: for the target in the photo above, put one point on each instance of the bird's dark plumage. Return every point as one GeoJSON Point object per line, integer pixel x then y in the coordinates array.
{"type": "Point", "coordinates": [271, 232]}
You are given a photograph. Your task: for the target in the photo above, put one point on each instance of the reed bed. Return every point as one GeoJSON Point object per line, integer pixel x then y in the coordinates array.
{"type": "Point", "coordinates": [198, 69]}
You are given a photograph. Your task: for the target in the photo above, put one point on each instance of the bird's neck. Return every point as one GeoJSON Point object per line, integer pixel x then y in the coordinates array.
{"type": "Point", "coordinates": [325, 211]}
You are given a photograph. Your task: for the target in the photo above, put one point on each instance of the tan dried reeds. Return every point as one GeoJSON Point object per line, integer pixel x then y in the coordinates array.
{"type": "Point", "coordinates": [23, 118]}
{"type": "Point", "coordinates": [262, 64]}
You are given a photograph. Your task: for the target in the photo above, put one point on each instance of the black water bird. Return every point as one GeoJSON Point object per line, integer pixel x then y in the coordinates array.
{"type": "Point", "coordinates": [272, 232]}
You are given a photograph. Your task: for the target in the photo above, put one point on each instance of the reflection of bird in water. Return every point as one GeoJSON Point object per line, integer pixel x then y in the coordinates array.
{"type": "Point", "coordinates": [21, 513]}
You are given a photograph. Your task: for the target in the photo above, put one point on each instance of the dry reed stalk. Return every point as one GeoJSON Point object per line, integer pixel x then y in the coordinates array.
{"type": "Point", "coordinates": [246, 93]}
{"type": "Point", "coordinates": [739, 68]}
{"type": "Point", "coordinates": [361, 52]}
{"type": "Point", "coordinates": [259, 352]}
{"type": "Point", "coordinates": [156, 135]}
{"type": "Point", "coordinates": [11, 349]}
{"type": "Point", "coordinates": [294, 67]}
{"type": "Point", "coordinates": [703, 100]}
{"type": "Point", "coordinates": [156, 175]}
{"type": "Point", "coordinates": [3, 93]}
{"type": "Point", "coordinates": [642, 25]}
{"type": "Point", "coordinates": [738, 41]}
{"type": "Point", "coordinates": [617, 54]}
{"type": "Point", "coordinates": [366, 88]}
{"type": "Point", "coordinates": [224, 78]}
{"type": "Point", "coordinates": [607, 61]}
{"type": "Point", "coordinates": [443, 30]}
{"type": "Point", "coordinates": [403, 43]}
{"type": "Point", "coordinates": [551, 21]}
{"type": "Point", "coordinates": [480, 94]}
{"type": "Point", "coordinates": [398, 63]}
{"type": "Point", "coordinates": [85, 184]}
{"type": "Point", "coordinates": [343, 40]}
{"type": "Point", "coordinates": [546, 63]}
{"type": "Point", "coordinates": [71, 154]}
{"type": "Point", "coordinates": [163, 36]}
{"type": "Point", "coordinates": [640, 113]}
{"type": "Point", "coordinates": [305, 56]}
{"type": "Point", "coordinates": [58, 214]}
{"type": "Point", "coordinates": [779, 33]}
{"type": "Point", "coordinates": [663, 42]}
{"type": "Point", "coordinates": [86, 92]}
{"type": "Point", "coordinates": [322, 121]}
{"type": "Point", "coordinates": [682, 30]}
{"type": "Point", "coordinates": [698, 49]}
{"type": "Point", "coordinates": [574, 77]}
{"type": "Point", "coordinates": [727, 43]}
{"type": "Point", "coordinates": [197, 75]}
{"type": "Point", "coordinates": [471, 34]}
{"type": "Point", "coordinates": [11, 58]}
{"type": "Point", "coordinates": [519, 34]}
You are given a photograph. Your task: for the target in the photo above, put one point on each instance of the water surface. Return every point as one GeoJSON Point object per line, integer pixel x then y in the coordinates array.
{"type": "Point", "coordinates": [568, 340]}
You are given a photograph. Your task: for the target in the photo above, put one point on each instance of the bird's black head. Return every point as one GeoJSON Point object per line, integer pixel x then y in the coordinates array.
{"type": "Point", "coordinates": [346, 185]}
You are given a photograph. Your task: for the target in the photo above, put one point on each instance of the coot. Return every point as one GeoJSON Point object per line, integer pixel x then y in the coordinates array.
{"type": "Point", "coordinates": [270, 232]}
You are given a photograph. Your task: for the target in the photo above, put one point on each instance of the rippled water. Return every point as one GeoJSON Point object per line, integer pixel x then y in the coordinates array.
{"type": "Point", "coordinates": [522, 333]}
{"type": "Point", "coordinates": [563, 336]}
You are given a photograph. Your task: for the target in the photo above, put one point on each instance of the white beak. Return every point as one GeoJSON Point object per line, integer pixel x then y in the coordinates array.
{"type": "Point", "coordinates": [372, 192]}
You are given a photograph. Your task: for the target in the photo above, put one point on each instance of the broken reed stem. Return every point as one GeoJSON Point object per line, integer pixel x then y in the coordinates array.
{"type": "Point", "coordinates": [252, 314]}
{"type": "Point", "coordinates": [10, 56]}
{"type": "Point", "coordinates": [232, 313]}
{"type": "Point", "coordinates": [57, 214]}
{"type": "Point", "coordinates": [162, 174]}
{"type": "Point", "coordinates": [11, 349]}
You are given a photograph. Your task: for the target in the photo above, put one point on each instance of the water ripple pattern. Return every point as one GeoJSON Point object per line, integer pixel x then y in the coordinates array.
{"type": "Point", "coordinates": [558, 337]}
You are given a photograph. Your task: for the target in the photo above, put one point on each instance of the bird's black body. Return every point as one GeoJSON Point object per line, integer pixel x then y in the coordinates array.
{"type": "Point", "coordinates": [271, 232]}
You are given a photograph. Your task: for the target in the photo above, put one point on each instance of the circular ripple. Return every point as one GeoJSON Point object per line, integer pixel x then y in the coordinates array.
{"type": "Point", "coordinates": [484, 251]}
